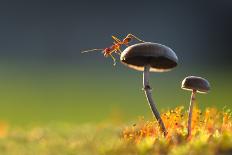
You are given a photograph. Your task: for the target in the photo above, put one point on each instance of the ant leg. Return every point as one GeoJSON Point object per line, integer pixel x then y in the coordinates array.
{"type": "Point", "coordinates": [113, 59]}
{"type": "Point", "coordinates": [133, 36]}
{"type": "Point", "coordinates": [116, 39]}
{"type": "Point", "coordinates": [119, 51]}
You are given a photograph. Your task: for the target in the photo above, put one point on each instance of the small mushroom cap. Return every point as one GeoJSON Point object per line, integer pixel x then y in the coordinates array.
{"type": "Point", "coordinates": [199, 84]}
{"type": "Point", "coordinates": [160, 57]}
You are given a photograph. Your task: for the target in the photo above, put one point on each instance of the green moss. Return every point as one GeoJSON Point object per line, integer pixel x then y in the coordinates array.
{"type": "Point", "coordinates": [108, 139]}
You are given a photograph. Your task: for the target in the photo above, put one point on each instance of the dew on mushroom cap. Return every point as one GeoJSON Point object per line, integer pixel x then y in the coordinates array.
{"type": "Point", "coordinates": [160, 57]}
{"type": "Point", "coordinates": [199, 84]}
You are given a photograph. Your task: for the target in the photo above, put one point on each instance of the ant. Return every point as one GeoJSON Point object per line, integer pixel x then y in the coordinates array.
{"type": "Point", "coordinates": [115, 48]}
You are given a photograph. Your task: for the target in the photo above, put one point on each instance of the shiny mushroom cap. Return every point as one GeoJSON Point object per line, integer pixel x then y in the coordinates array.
{"type": "Point", "coordinates": [160, 57]}
{"type": "Point", "coordinates": [199, 84]}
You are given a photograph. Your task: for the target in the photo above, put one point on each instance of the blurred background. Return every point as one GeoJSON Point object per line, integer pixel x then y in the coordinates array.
{"type": "Point", "coordinates": [45, 78]}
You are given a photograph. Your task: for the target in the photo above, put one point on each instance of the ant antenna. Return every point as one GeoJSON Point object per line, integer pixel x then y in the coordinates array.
{"type": "Point", "coordinates": [96, 49]}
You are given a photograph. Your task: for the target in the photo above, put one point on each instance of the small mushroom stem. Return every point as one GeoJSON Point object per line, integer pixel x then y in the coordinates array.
{"type": "Point", "coordinates": [191, 105]}
{"type": "Point", "coordinates": [147, 89]}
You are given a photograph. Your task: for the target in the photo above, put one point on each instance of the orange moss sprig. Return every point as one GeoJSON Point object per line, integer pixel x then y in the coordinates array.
{"type": "Point", "coordinates": [209, 122]}
{"type": "Point", "coordinates": [3, 129]}
{"type": "Point", "coordinates": [226, 121]}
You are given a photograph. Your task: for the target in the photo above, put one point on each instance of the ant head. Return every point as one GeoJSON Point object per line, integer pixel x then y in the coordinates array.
{"type": "Point", "coordinates": [106, 51]}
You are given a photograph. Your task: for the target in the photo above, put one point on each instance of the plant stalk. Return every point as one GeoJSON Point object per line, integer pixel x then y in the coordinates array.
{"type": "Point", "coordinates": [192, 100]}
{"type": "Point", "coordinates": [147, 89]}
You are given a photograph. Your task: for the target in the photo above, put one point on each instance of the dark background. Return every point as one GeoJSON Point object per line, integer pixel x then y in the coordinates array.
{"type": "Point", "coordinates": [44, 76]}
{"type": "Point", "coordinates": [56, 31]}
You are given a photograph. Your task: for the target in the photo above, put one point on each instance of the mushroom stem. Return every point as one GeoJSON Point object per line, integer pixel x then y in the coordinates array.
{"type": "Point", "coordinates": [192, 100]}
{"type": "Point", "coordinates": [147, 89]}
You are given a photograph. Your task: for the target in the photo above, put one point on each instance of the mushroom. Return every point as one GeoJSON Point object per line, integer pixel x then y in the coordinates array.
{"type": "Point", "coordinates": [152, 57]}
{"type": "Point", "coordinates": [194, 84]}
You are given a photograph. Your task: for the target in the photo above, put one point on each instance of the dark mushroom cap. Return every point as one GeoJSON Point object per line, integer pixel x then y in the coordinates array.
{"type": "Point", "coordinates": [199, 84]}
{"type": "Point", "coordinates": [160, 58]}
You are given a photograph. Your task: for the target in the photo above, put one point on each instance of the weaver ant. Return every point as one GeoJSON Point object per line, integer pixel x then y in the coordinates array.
{"type": "Point", "coordinates": [115, 48]}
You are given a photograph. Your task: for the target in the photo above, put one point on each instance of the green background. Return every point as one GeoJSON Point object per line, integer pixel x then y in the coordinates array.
{"type": "Point", "coordinates": [45, 78]}
{"type": "Point", "coordinates": [96, 91]}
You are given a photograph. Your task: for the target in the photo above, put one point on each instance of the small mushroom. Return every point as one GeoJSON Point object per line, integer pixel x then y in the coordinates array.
{"type": "Point", "coordinates": [194, 84]}
{"type": "Point", "coordinates": [150, 57]}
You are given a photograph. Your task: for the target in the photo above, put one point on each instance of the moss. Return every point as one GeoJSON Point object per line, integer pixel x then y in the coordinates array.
{"type": "Point", "coordinates": [212, 135]}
